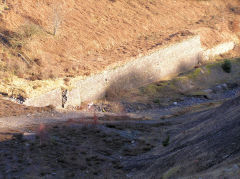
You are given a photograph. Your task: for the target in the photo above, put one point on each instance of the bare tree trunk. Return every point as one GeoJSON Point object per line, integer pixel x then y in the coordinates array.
{"type": "Point", "coordinates": [57, 20]}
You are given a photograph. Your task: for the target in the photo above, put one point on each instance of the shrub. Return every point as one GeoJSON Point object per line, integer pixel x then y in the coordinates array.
{"type": "Point", "coordinates": [227, 66]}
{"type": "Point", "coordinates": [156, 101]}
{"type": "Point", "coordinates": [166, 141]}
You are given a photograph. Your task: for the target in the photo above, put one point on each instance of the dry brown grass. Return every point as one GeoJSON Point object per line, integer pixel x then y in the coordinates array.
{"type": "Point", "coordinates": [93, 35]}
{"type": "Point", "coordinates": [8, 108]}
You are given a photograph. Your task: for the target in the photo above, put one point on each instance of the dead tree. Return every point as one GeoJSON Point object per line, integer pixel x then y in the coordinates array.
{"type": "Point", "coordinates": [57, 16]}
{"type": "Point", "coordinates": [57, 20]}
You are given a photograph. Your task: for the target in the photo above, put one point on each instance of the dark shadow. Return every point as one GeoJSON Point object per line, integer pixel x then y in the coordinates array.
{"type": "Point", "coordinates": [124, 83]}
{"type": "Point", "coordinates": [4, 40]}
{"type": "Point", "coordinates": [144, 76]}
{"type": "Point", "coordinates": [72, 149]}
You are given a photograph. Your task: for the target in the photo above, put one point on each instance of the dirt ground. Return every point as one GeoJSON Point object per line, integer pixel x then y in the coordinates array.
{"type": "Point", "coordinates": [193, 144]}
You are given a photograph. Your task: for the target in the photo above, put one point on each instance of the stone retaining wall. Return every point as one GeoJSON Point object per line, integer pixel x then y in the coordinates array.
{"type": "Point", "coordinates": [160, 65]}
{"type": "Point", "coordinates": [51, 98]}
{"type": "Point", "coordinates": [219, 49]}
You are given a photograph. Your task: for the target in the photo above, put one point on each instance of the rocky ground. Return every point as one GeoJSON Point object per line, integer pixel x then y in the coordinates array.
{"type": "Point", "coordinates": [190, 144]}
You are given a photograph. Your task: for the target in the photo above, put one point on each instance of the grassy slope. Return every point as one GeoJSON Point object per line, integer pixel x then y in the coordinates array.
{"type": "Point", "coordinates": [96, 34]}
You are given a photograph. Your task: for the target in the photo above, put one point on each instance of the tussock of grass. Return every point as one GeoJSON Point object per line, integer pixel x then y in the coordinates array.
{"type": "Point", "coordinates": [19, 38]}
{"type": "Point", "coordinates": [195, 73]}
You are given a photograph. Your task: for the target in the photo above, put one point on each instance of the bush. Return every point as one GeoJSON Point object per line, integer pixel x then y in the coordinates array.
{"type": "Point", "coordinates": [166, 141]}
{"type": "Point", "coordinates": [227, 66]}
{"type": "Point", "coordinates": [156, 101]}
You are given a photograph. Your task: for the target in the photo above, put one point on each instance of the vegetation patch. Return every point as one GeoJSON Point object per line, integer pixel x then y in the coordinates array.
{"type": "Point", "coordinates": [171, 172]}
{"type": "Point", "coordinates": [16, 40]}
{"type": "Point", "coordinates": [165, 143]}
{"type": "Point", "coordinates": [195, 73]}
{"type": "Point", "coordinates": [227, 66]}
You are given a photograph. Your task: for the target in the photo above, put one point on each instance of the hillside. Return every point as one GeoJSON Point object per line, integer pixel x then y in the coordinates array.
{"type": "Point", "coordinates": [120, 89]}
{"type": "Point", "coordinates": [92, 35]}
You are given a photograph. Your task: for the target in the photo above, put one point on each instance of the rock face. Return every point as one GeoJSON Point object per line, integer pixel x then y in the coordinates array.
{"type": "Point", "coordinates": [160, 65]}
